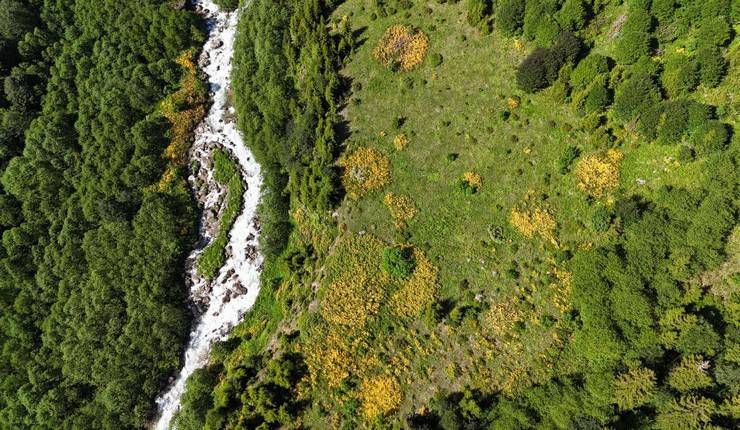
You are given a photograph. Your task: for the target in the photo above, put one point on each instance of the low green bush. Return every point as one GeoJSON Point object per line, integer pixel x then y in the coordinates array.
{"type": "Point", "coordinates": [601, 219]}
{"type": "Point", "coordinates": [510, 16]}
{"type": "Point", "coordinates": [598, 98]}
{"type": "Point", "coordinates": [587, 69]}
{"type": "Point", "coordinates": [398, 262]}
{"type": "Point", "coordinates": [435, 59]}
{"type": "Point", "coordinates": [680, 76]}
{"type": "Point", "coordinates": [567, 158]}
{"type": "Point", "coordinates": [712, 66]}
{"type": "Point", "coordinates": [710, 137]}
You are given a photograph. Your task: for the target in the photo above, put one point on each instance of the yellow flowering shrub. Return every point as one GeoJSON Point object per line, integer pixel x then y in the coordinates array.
{"type": "Point", "coordinates": [400, 142]}
{"type": "Point", "coordinates": [402, 208]}
{"type": "Point", "coordinates": [184, 109]}
{"type": "Point", "coordinates": [534, 220]}
{"type": "Point", "coordinates": [365, 170]}
{"type": "Point", "coordinates": [401, 47]}
{"type": "Point", "coordinates": [598, 173]}
{"type": "Point", "coordinates": [351, 301]}
{"type": "Point", "coordinates": [379, 396]}
{"type": "Point", "coordinates": [562, 289]}
{"type": "Point", "coordinates": [500, 318]}
{"type": "Point", "coordinates": [417, 291]}
{"type": "Point", "coordinates": [473, 179]}
{"type": "Point", "coordinates": [330, 357]}
{"type": "Point", "coordinates": [513, 102]}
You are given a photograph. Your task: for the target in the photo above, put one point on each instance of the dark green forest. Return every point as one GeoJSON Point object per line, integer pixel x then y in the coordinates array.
{"type": "Point", "coordinates": [90, 324]}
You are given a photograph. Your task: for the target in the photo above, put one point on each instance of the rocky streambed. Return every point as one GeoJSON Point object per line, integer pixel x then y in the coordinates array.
{"type": "Point", "coordinates": [218, 305]}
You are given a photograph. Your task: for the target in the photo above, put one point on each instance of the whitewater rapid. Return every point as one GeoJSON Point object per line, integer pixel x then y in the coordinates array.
{"type": "Point", "coordinates": [221, 303]}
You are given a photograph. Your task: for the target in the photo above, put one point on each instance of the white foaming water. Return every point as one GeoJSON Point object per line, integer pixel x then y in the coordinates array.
{"type": "Point", "coordinates": [224, 300]}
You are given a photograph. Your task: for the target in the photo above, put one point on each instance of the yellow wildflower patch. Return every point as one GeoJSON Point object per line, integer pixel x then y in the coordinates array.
{"type": "Point", "coordinates": [562, 290]}
{"type": "Point", "coordinates": [597, 173]}
{"type": "Point", "coordinates": [473, 180]}
{"type": "Point", "coordinates": [401, 207]}
{"type": "Point", "coordinates": [379, 395]}
{"type": "Point", "coordinates": [401, 47]}
{"type": "Point", "coordinates": [500, 318]}
{"type": "Point", "coordinates": [534, 220]}
{"type": "Point", "coordinates": [184, 109]}
{"type": "Point", "coordinates": [513, 102]}
{"type": "Point", "coordinates": [329, 357]}
{"type": "Point", "coordinates": [400, 142]}
{"type": "Point", "coordinates": [419, 290]}
{"type": "Point", "coordinates": [365, 170]}
{"type": "Point", "coordinates": [351, 301]}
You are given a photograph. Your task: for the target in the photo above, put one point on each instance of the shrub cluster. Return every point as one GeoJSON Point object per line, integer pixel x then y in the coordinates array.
{"type": "Point", "coordinates": [531, 219]}
{"type": "Point", "coordinates": [510, 16]}
{"type": "Point", "coordinates": [401, 47]}
{"type": "Point", "coordinates": [401, 207]}
{"type": "Point", "coordinates": [599, 173]}
{"type": "Point", "coordinates": [540, 69]}
{"type": "Point", "coordinates": [365, 170]}
{"type": "Point", "coordinates": [635, 38]}
{"type": "Point", "coordinates": [399, 261]}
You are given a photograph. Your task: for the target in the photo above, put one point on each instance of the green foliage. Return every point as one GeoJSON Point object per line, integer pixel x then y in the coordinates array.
{"type": "Point", "coordinates": [283, 112]}
{"type": "Point", "coordinates": [224, 167]}
{"type": "Point", "coordinates": [690, 374]}
{"type": "Point", "coordinates": [587, 70]}
{"type": "Point", "coordinates": [601, 219]}
{"type": "Point", "coordinates": [597, 99]}
{"type": "Point", "coordinates": [227, 172]}
{"type": "Point", "coordinates": [632, 45]}
{"type": "Point", "coordinates": [539, 21]}
{"type": "Point", "coordinates": [688, 412]}
{"type": "Point", "coordinates": [196, 400]}
{"type": "Point", "coordinates": [479, 13]}
{"type": "Point", "coordinates": [635, 95]}
{"type": "Point", "coordinates": [398, 262]}
{"type": "Point", "coordinates": [16, 19]}
{"type": "Point", "coordinates": [435, 59]}
{"type": "Point", "coordinates": [672, 121]}
{"type": "Point", "coordinates": [712, 66]}
{"type": "Point", "coordinates": [713, 32]}
{"type": "Point", "coordinates": [510, 16]}
{"type": "Point", "coordinates": [227, 4]}
{"type": "Point", "coordinates": [93, 322]}
{"type": "Point", "coordinates": [635, 39]}
{"type": "Point", "coordinates": [567, 158]}
{"type": "Point", "coordinates": [634, 388]}
{"type": "Point", "coordinates": [709, 137]}
{"type": "Point", "coordinates": [540, 69]}
{"type": "Point", "coordinates": [572, 15]}
{"type": "Point", "coordinates": [680, 76]}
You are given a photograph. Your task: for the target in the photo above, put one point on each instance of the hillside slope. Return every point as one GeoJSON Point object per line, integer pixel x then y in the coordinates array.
{"type": "Point", "coordinates": [537, 224]}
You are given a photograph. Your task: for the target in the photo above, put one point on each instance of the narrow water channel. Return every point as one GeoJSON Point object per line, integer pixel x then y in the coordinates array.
{"type": "Point", "coordinates": [220, 304]}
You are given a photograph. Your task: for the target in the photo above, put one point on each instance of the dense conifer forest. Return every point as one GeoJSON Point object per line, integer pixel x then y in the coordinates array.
{"type": "Point", "coordinates": [476, 214]}
{"type": "Point", "coordinates": [95, 221]}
